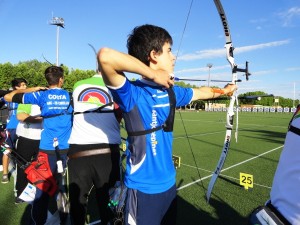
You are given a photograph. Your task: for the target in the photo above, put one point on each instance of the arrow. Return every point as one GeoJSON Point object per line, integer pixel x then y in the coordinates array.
{"type": "Point", "coordinates": [186, 79]}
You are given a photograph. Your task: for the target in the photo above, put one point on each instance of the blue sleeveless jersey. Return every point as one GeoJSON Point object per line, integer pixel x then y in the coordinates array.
{"type": "Point", "coordinates": [53, 102]}
{"type": "Point", "coordinates": [145, 105]}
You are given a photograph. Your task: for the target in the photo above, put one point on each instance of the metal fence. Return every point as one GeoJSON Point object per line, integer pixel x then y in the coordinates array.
{"type": "Point", "coordinates": [255, 109]}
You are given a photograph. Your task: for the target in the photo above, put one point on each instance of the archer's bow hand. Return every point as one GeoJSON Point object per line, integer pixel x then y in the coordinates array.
{"type": "Point", "coordinates": [229, 89]}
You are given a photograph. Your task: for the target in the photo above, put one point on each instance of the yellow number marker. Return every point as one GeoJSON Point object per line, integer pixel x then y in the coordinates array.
{"type": "Point", "coordinates": [176, 161]}
{"type": "Point", "coordinates": [246, 180]}
{"type": "Point", "coordinates": [124, 147]}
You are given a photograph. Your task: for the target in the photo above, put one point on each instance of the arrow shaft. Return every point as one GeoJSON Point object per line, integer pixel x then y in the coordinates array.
{"type": "Point", "coordinates": [186, 79]}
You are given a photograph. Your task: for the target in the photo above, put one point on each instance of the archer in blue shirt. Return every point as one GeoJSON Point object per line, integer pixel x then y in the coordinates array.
{"type": "Point", "coordinates": [56, 109]}
{"type": "Point", "coordinates": [147, 106]}
{"type": "Point", "coordinates": [11, 126]}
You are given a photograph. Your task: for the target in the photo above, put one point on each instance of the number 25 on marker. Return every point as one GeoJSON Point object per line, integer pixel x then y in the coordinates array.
{"type": "Point", "coordinates": [246, 180]}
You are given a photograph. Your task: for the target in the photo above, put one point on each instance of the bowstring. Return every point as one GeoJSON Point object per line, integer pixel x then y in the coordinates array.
{"type": "Point", "coordinates": [184, 28]}
{"type": "Point", "coordinates": [181, 118]}
{"type": "Point", "coordinates": [94, 50]}
{"type": "Point", "coordinates": [237, 116]}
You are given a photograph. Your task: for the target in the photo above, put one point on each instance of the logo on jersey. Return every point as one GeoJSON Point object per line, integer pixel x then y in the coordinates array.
{"type": "Point", "coordinates": [94, 96]}
{"type": "Point", "coordinates": [153, 134]}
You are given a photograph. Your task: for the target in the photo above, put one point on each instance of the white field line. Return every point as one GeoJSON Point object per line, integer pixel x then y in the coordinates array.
{"type": "Point", "coordinates": [206, 177]}
{"type": "Point", "coordinates": [198, 135]}
{"type": "Point", "coordinates": [218, 132]}
{"type": "Point", "coordinates": [233, 178]}
{"type": "Point", "coordinates": [248, 124]}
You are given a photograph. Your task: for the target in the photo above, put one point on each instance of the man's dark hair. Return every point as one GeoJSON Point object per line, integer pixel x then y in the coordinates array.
{"type": "Point", "coordinates": [53, 74]}
{"type": "Point", "coordinates": [143, 39]}
{"type": "Point", "coordinates": [17, 81]}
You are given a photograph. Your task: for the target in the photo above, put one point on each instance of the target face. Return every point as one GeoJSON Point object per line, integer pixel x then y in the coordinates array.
{"type": "Point", "coordinates": [94, 96]}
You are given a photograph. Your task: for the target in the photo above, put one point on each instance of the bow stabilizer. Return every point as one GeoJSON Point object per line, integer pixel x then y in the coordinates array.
{"type": "Point", "coordinates": [249, 97]}
{"type": "Point", "coordinates": [246, 71]}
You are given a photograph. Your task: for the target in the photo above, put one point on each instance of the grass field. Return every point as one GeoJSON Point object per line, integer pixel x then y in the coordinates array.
{"type": "Point", "coordinates": [260, 141]}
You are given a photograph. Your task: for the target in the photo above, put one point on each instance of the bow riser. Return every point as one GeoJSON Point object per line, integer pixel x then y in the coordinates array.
{"type": "Point", "coordinates": [230, 113]}
{"type": "Point", "coordinates": [229, 55]}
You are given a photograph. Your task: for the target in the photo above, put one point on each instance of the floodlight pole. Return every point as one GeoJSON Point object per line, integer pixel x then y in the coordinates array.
{"type": "Point", "coordinates": [59, 22]}
{"type": "Point", "coordinates": [57, 44]}
{"type": "Point", "coordinates": [209, 65]}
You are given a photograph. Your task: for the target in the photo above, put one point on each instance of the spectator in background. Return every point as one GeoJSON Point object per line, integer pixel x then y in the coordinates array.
{"type": "Point", "coordinates": [56, 110]}
{"type": "Point", "coordinates": [12, 122]}
{"type": "Point", "coordinates": [94, 148]}
{"type": "Point", "coordinates": [27, 145]}
{"type": "Point", "coordinates": [3, 110]}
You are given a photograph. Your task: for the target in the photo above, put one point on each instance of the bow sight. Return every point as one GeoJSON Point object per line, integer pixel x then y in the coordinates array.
{"type": "Point", "coordinates": [246, 71]}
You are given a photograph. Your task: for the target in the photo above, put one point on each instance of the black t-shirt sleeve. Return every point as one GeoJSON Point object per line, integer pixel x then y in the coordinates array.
{"type": "Point", "coordinates": [4, 92]}
{"type": "Point", "coordinates": [18, 98]}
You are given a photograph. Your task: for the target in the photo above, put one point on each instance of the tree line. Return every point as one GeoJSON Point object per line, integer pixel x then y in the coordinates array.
{"type": "Point", "coordinates": [243, 100]}
{"type": "Point", "coordinates": [33, 72]}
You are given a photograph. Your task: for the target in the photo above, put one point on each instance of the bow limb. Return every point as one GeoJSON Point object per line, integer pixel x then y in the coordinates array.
{"type": "Point", "coordinates": [229, 127]}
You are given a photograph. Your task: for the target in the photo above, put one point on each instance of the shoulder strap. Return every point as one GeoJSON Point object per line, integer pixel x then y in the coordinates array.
{"type": "Point", "coordinates": [98, 110]}
{"type": "Point", "coordinates": [291, 127]}
{"type": "Point", "coordinates": [295, 130]}
{"type": "Point", "coordinates": [168, 124]}
{"type": "Point", "coordinates": [143, 132]}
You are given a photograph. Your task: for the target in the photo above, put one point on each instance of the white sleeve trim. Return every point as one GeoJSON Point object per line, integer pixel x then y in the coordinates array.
{"type": "Point", "coordinates": [117, 87]}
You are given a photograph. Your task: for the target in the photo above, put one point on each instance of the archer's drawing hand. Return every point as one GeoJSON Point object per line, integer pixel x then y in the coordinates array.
{"type": "Point", "coordinates": [163, 78]}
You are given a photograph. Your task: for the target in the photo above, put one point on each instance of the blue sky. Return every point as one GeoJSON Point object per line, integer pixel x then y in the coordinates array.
{"type": "Point", "coordinates": [266, 33]}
